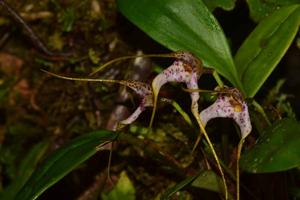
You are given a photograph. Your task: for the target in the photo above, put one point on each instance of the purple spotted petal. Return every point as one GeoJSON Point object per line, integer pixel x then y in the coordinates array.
{"type": "Point", "coordinates": [142, 89]}
{"type": "Point", "coordinates": [174, 73]}
{"type": "Point", "coordinates": [186, 69]}
{"type": "Point", "coordinates": [188, 58]}
{"type": "Point", "coordinates": [145, 92]}
{"type": "Point", "coordinates": [133, 116]}
{"type": "Point", "coordinates": [180, 71]}
{"type": "Point", "coordinates": [229, 106]}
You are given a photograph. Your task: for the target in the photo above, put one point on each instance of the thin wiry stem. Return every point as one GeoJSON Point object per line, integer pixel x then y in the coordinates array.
{"type": "Point", "coordinates": [102, 67]}
{"type": "Point", "coordinates": [239, 150]}
{"type": "Point", "coordinates": [121, 82]}
{"type": "Point", "coordinates": [201, 125]}
{"type": "Point", "coordinates": [199, 90]}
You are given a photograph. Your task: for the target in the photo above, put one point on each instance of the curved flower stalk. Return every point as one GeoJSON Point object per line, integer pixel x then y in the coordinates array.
{"type": "Point", "coordinates": [230, 104]}
{"type": "Point", "coordinates": [143, 90]}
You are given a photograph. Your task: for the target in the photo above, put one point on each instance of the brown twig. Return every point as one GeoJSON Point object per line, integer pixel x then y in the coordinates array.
{"type": "Point", "coordinates": [33, 37]}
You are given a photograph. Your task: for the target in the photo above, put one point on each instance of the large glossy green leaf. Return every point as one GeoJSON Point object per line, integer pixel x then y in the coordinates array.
{"type": "Point", "coordinates": [62, 162]}
{"type": "Point", "coordinates": [277, 149]}
{"type": "Point", "coordinates": [184, 25]}
{"type": "Point", "coordinates": [25, 170]}
{"type": "Point", "coordinates": [265, 46]}
{"type": "Point", "coordinates": [259, 9]}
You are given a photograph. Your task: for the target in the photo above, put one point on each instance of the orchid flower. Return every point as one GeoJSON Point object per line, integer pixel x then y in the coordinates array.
{"type": "Point", "coordinates": [229, 104]}
{"type": "Point", "coordinates": [145, 92]}
{"type": "Point", "coordinates": [185, 69]}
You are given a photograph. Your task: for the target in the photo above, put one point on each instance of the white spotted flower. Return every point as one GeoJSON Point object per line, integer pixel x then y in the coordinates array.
{"type": "Point", "coordinates": [229, 104]}
{"type": "Point", "coordinates": [185, 69]}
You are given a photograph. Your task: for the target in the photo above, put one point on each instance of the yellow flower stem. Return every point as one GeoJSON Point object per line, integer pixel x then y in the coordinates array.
{"type": "Point", "coordinates": [239, 150]}
{"type": "Point", "coordinates": [196, 115]}
{"type": "Point", "coordinates": [218, 78]}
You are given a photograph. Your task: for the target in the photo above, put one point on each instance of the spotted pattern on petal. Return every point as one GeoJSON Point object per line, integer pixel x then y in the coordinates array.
{"type": "Point", "coordinates": [229, 106]}
{"type": "Point", "coordinates": [145, 92]}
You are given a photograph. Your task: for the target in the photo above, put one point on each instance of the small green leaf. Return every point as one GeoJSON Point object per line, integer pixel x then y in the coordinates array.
{"type": "Point", "coordinates": [25, 170]}
{"type": "Point", "coordinates": [208, 180]}
{"type": "Point", "coordinates": [276, 150]}
{"type": "Point", "coordinates": [124, 189]}
{"type": "Point", "coordinates": [184, 25]}
{"type": "Point", "coordinates": [259, 9]}
{"type": "Point", "coordinates": [265, 46]}
{"type": "Point", "coordinates": [225, 4]}
{"type": "Point", "coordinates": [171, 191]}
{"type": "Point", "coordinates": [63, 161]}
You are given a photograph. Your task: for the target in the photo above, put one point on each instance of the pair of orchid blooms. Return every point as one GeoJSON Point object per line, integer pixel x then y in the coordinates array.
{"type": "Point", "coordinates": [186, 69]}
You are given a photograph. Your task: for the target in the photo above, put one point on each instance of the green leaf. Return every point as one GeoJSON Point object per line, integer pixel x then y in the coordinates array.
{"type": "Point", "coordinates": [225, 4]}
{"type": "Point", "coordinates": [265, 46]}
{"type": "Point", "coordinates": [63, 161]}
{"type": "Point", "coordinates": [208, 180]}
{"type": "Point", "coordinates": [184, 25]}
{"type": "Point", "coordinates": [259, 9]}
{"type": "Point", "coordinates": [276, 150]}
{"type": "Point", "coordinates": [124, 189]}
{"type": "Point", "coordinates": [205, 180]}
{"type": "Point", "coordinates": [169, 192]}
{"type": "Point", "coordinates": [25, 170]}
